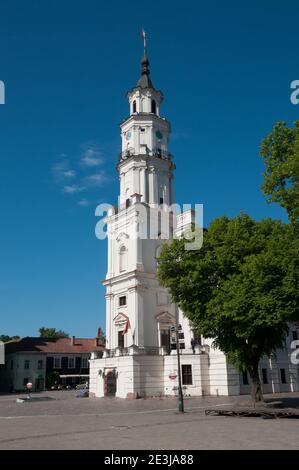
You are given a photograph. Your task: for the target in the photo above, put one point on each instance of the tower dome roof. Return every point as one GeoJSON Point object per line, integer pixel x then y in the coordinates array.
{"type": "Point", "coordinates": [145, 80]}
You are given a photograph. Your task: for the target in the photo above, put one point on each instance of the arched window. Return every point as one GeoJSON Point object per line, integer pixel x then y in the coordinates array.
{"type": "Point", "coordinates": [134, 107]}
{"type": "Point", "coordinates": [123, 258]}
{"type": "Point", "coordinates": [154, 107]}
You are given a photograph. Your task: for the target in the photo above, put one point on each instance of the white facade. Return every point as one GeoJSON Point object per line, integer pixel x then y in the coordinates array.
{"type": "Point", "coordinates": [140, 359]}
{"type": "Point", "coordinates": [21, 368]}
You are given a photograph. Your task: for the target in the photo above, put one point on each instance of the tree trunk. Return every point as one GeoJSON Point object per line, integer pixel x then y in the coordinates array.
{"type": "Point", "coordinates": [256, 388]}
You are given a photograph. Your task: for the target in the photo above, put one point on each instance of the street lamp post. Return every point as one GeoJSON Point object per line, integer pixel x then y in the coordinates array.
{"type": "Point", "coordinates": [180, 391]}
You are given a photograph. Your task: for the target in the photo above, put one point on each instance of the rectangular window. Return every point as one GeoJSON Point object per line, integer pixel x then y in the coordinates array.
{"type": "Point", "coordinates": [265, 376]}
{"type": "Point", "coordinates": [197, 338]}
{"type": "Point", "coordinates": [25, 381]}
{"type": "Point", "coordinates": [26, 364]}
{"type": "Point", "coordinates": [245, 377]}
{"type": "Point", "coordinates": [84, 363]}
{"type": "Point", "coordinates": [71, 363]}
{"type": "Point", "coordinates": [11, 364]}
{"type": "Point", "coordinates": [121, 340]}
{"type": "Point", "coordinates": [181, 340]}
{"type": "Point", "coordinates": [295, 335]}
{"type": "Point", "coordinates": [187, 374]}
{"type": "Point", "coordinates": [40, 364]}
{"type": "Point", "coordinates": [283, 376]}
{"type": "Point", "coordinates": [57, 363]}
{"type": "Point", "coordinates": [122, 301]}
{"type": "Point", "coordinates": [161, 200]}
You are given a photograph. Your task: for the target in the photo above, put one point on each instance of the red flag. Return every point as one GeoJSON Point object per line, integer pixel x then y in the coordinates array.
{"type": "Point", "coordinates": [127, 326]}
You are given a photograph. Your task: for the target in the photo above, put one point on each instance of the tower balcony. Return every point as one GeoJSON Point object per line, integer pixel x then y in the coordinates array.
{"type": "Point", "coordinates": [134, 350]}
{"type": "Point", "coordinates": [152, 351]}
{"type": "Point", "coordinates": [156, 152]}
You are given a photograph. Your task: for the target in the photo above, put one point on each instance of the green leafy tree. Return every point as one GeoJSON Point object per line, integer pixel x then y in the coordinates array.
{"type": "Point", "coordinates": [52, 333]}
{"type": "Point", "coordinates": [6, 338]}
{"type": "Point", "coordinates": [52, 378]}
{"type": "Point", "coordinates": [240, 288]}
{"type": "Point", "coordinates": [280, 152]}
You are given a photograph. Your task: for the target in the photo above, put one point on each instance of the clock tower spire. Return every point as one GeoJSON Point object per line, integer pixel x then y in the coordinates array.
{"type": "Point", "coordinates": [145, 164]}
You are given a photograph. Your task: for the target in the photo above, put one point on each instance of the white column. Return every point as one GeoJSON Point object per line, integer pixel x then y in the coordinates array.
{"type": "Point", "coordinates": [155, 186]}
{"type": "Point", "coordinates": [170, 189]}
{"type": "Point", "coordinates": [122, 187]}
{"type": "Point", "coordinates": [110, 264]}
{"type": "Point", "coordinates": [142, 177]}
{"type": "Point", "coordinates": [109, 321]}
{"type": "Point", "coordinates": [151, 186]}
{"type": "Point", "coordinates": [133, 305]}
{"type": "Point", "coordinates": [136, 186]}
{"type": "Point", "coordinates": [139, 336]}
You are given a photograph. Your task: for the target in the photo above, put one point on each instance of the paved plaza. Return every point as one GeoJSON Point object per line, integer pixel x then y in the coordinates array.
{"type": "Point", "coordinates": [68, 422]}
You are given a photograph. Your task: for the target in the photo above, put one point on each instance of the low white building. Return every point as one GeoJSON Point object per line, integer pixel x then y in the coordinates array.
{"type": "Point", "coordinates": [140, 357]}
{"type": "Point", "coordinates": [33, 359]}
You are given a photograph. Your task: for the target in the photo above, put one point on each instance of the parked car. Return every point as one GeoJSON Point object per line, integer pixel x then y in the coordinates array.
{"type": "Point", "coordinates": [84, 386]}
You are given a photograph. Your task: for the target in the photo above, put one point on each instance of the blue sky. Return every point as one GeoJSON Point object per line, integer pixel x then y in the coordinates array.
{"type": "Point", "coordinates": [225, 69]}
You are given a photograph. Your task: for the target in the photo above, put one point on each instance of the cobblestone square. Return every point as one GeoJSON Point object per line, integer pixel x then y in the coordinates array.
{"type": "Point", "coordinates": [68, 422]}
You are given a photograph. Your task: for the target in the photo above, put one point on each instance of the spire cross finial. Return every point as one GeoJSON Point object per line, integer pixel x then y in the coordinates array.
{"type": "Point", "coordinates": [144, 41]}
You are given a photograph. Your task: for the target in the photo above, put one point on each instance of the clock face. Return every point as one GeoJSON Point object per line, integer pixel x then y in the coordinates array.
{"type": "Point", "coordinates": [159, 135]}
{"type": "Point", "coordinates": [128, 135]}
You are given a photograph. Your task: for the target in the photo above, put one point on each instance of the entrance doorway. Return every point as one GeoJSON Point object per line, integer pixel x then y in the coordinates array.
{"type": "Point", "coordinates": [39, 384]}
{"type": "Point", "coordinates": [110, 384]}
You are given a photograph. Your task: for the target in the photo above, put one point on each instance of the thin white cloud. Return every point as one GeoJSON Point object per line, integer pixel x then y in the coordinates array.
{"type": "Point", "coordinates": [84, 202]}
{"type": "Point", "coordinates": [96, 179]}
{"type": "Point", "coordinates": [91, 157]}
{"type": "Point", "coordinates": [73, 189]}
{"type": "Point", "coordinates": [81, 174]}
{"type": "Point", "coordinates": [69, 174]}
{"type": "Point", "coordinates": [62, 171]}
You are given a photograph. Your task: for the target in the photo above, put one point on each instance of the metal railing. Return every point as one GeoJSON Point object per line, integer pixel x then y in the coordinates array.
{"type": "Point", "coordinates": [157, 152]}
{"type": "Point", "coordinates": [150, 351]}
{"type": "Point", "coordinates": [132, 350]}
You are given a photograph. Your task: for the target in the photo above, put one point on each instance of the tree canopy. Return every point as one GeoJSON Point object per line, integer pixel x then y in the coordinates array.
{"type": "Point", "coordinates": [6, 338]}
{"type": "Point", "coordinates": [52, 333]}
{"type": "Point", "coordinates": [240, 288]}
{"type": "Point", "coordinates": [280, 152]}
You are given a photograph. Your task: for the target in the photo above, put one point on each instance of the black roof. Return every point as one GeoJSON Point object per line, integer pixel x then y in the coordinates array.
{"type": "Point", "coordinates": [145, 80]}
